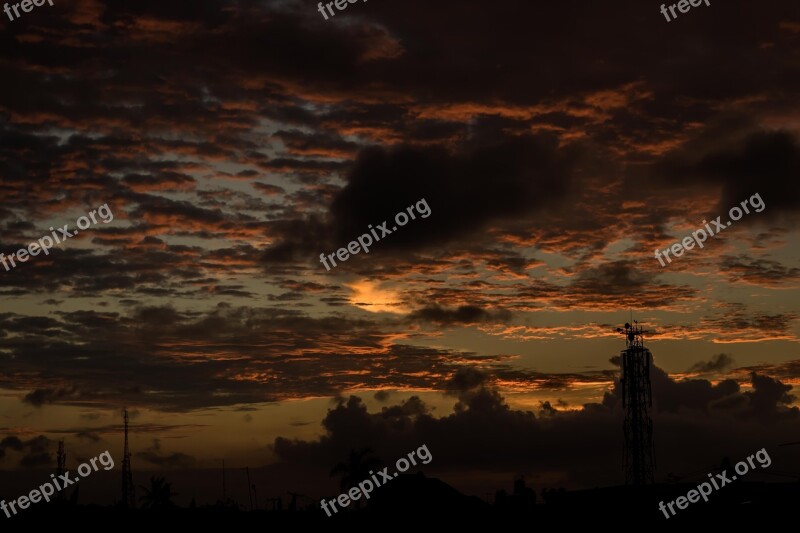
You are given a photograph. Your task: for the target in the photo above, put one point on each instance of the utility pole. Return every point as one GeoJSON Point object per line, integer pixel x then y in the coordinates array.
{"type": "Point", "coordinates": [224, 496]}
{"type": "Point", "coordinates": [249, 493]}
{"type": "Point", "coordinates": [62, 465]}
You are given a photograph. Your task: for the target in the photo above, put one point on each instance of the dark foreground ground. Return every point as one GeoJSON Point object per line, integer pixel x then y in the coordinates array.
{"type": "Point", "coordinates": [434, 504]}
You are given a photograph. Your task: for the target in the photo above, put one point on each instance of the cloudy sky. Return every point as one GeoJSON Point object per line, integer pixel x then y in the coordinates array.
{"type": "Point", "coordinates": [557, 145]}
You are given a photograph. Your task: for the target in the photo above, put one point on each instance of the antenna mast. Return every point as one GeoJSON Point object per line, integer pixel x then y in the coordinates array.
{"type": "Point", "coordinates": [128, 490]}
{"type": "Point", "coordinates": [637, 399]}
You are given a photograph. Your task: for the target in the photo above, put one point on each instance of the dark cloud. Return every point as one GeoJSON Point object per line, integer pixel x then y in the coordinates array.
{"type": "Point", "coordinates": [485, 434]}
{"type": "Point", "coordinates": [672, 396]}
{"type": "Point", "coordinates": [761, 272]}
{"type": "Point", "coordinates": [318, 144]}
{"type": "Point", "coordinates": [382, 396]}
{"type": "Point", "coordinates": [88, 435]}
{"type": "Point", "coordinates": [769, 396]}
{"type": "Point", "coordinates": [621, 283]}
{"type": "Point", "coordinates": [34, 459]}
{"type": "Point", "coordinates": [152, 362]}
{"type": "Point", "coordinates": [718, 363]}
{"type": "Point", "coordinates": [466, 379]}
{"type": "Point", "coordinates": [769, 400]}
{"type": "Point", "coordinates": [269, 190]}
{"type": "Point", "coordinates": [465, 314]}
{"type": "Point", "coordinates": [164, 182]}
{"type": "Point", "coordinates": [35, 452]}
{"type": "Point", "coordinates": [546, 409]}
{"type": "Point", "coordinates": [411, 407]}
{"type": "Point", "coordinates": [10, 443]}
{"type": "Point", "coordinates": [40, 397]}
{"type": "Point", "coordinates": [171, 460]}
{"type": "Point", "coordinates": [773, 156]}
{"type": "Point", "coordinates": [156, 456]}
{"type": "Point", "coordinates": [529, 173]}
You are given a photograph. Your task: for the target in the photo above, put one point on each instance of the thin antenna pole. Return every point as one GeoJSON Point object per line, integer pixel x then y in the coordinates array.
{"type": "Point", "coordinates": [62, 465]}
{"type": "Point", "coordinates": [128, 489]}
{"type": "Point", "coordinates": [249, 492]}
{"type": "Point", "coordinates": [224, 495]}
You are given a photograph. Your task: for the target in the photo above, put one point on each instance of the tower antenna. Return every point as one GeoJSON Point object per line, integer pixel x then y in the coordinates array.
{"type": "Point", "coordinates": [128, 489]}
{"type": "Point", "coordinates": [637, 399]}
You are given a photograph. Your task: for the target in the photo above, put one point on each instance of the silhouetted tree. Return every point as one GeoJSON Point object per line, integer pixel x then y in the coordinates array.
{"type": "Point", "coordinates": [553, 496]}
{"type": "Point", "coordinates": [356, 469]}
{"type": "Point", "coordinates": [523, 499]}
{"type": "Point", "coordinates": [524, 496]}
{"type": "Point", "coordinates": [159, 495]}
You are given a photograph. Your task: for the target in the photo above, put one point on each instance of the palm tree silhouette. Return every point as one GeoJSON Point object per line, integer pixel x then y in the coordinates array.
{"type": "Point", "coordinates": [356, 469]}
{"type": "Point", "coordinates": [159, 495]}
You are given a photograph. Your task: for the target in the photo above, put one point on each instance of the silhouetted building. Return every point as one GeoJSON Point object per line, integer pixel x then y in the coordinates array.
{"type": "Point", "coordinates": [415, 495]}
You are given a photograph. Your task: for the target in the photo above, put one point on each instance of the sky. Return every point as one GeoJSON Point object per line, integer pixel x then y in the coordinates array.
{"type": "Point", "coordinates": [546, 149]}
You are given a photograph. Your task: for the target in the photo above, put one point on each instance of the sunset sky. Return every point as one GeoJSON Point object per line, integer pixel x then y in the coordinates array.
{"type": "Point", "coordinates": [557, 144]}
